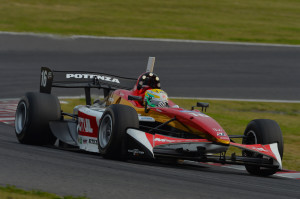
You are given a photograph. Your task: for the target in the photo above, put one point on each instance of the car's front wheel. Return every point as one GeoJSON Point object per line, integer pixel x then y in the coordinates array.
{"type": "Point", "coordinates": [262, 131]}
{"type": "Point", "coordinates": [114, 122]}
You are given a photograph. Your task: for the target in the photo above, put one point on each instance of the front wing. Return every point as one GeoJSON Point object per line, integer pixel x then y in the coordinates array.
{"type": "Point", "coordinates": [155, 145]}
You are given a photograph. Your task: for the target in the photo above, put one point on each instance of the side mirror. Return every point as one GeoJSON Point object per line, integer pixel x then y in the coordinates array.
{"type": "Point", "coordinates": [133, 97]}
{"type": "Point", "coordinates": [146, 107]}
{"type": "Point", "coordinates": [138, 98]}
{"type": "Point", "coordinates": [203, 105]}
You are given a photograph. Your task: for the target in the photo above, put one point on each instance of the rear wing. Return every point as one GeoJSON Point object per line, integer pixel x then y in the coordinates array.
{"type": "Point", "coordinates": [82, 79]}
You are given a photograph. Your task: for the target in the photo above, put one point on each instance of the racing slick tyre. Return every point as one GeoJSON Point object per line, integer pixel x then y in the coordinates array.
{"type": "Point", "coordinates": [112, 131]}
{"type": "Point", "coordinates": [34, 111]}
{"type": "Point", "coordinates": [262, 131]}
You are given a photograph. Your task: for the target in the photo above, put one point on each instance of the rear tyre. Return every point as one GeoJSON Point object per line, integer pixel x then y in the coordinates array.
{"type": "Point", "coordinates": [112, 131]}
{"type": "Point", "coordinates": [262, 131]}
{"type": "Point", "coordinates": [34, 111]}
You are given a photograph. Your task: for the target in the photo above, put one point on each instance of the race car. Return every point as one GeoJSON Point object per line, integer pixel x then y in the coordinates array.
{"type": "Point", "coordinates": [136, 119]}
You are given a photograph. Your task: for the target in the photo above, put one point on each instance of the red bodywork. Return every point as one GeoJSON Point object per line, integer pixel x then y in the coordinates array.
{"type": "Point", "coordinates": [195, 121]}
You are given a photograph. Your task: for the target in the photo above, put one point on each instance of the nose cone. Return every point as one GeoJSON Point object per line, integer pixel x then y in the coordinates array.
{"type": "Point", "coordinates": [203, 125]}
{"type": "Point", "coordinates": [220, 136]}
{"type": "Point", "coordinates": [210, 128]}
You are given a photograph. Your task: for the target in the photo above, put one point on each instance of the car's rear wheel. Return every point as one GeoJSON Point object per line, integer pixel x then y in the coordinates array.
{"type": "Point", "coordinates": [34, 111]}
{"type": "Point", "coordinates": [112, 130]}
{"type": "Point", "coordinates": [262, 131]}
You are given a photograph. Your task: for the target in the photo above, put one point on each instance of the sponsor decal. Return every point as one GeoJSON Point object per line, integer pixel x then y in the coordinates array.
{"type": "Point", "coordinates": [159, 140]}
{"type": "Point", "coordinates": [136, 152]}
{"type": "Point", "coordinates": [87, 122]}
{"type": "Point", "coordinates": [224, 138]}
{"type": "Point", "coordinates": [111, 99]}
{"type": "Point", "coordinates": [84, 141]}
{"type": "Point", "coordinates": [92, 141]}
{"type": "Point", "coordinates": [80, 140]}
{"type": "Point", "coordinates": [260, 149]}
{"type": "Point", "coordinates": [195, 114]}
{"type": "Point", "coordinates": [91, 76]}
{"type": "Point", "coordinates": [218, 130]}
{"type": "Point", "coordinates": [146, 119]}
{"type": "Point", "coordinates": [84, 125]}
{"type": "Point", "coordinates": [186, 111]}
{"type": "Point", "coordinates": [164, 140]}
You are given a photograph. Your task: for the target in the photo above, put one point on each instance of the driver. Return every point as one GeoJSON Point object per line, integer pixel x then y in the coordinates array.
{"type": "Point", "coordinates": [156, 98]}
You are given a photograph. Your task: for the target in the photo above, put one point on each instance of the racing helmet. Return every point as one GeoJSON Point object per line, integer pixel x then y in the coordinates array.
{"type": "Point", "coordinates": [148, 80]}
{"type": "Point", "coordinates": [156, 98]}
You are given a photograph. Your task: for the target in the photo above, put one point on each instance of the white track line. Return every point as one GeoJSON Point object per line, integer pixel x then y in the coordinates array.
{"type": "Point", "coordinates": [285, 174]}
{"type": "Point", "coordinates": [54, 36]}
{"type": "Point", "coordinates": [289, 175]}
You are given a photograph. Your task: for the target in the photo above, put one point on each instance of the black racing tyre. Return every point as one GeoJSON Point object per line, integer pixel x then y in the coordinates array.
{"type": "Point", "coordinates": [34, 111]}
{"type": "Point", "coordinates": [112, 130]}
{"type": "Point", "coordinates": [262, 131]}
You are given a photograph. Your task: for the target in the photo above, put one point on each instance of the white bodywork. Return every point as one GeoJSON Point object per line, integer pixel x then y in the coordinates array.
{"type": "Point", "coordinates": [88, 125]}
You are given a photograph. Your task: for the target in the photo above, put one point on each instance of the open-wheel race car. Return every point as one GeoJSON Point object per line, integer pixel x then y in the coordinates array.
{"type": "Point", "coordinates": [137, 120]}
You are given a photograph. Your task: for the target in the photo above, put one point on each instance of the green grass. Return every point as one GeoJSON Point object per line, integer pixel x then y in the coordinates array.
{"type": "Point", "coordinates": [268, 21]}
{"type": "Point", "coordinates": [234, 116]}
{"type": "Point", "coordinates": [11, 192]}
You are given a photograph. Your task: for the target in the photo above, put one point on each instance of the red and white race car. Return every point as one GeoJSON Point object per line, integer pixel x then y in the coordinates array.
{"type": "Point", "coordinates": [137, 120]}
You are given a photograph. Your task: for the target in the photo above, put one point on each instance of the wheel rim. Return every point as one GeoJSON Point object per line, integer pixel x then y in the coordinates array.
{"type": "Point", "coordinates": [105, 131]}
{"type": "Point", "coordinates": [251, 137]}
{"type": "Point", "coordinates": [20, 117]}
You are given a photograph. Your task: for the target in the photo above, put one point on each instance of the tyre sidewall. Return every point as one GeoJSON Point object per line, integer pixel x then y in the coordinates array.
{"type": "Point", "coordinates": [22, 136]}
{"type": "Point", "coordinates": [110, 145]}
{"type": "Point", "coordinates": [40, 109]}
{"type": "Point", "coordinates": [123, 117]}
{"type": "Point", "coordinates": [266, 132]}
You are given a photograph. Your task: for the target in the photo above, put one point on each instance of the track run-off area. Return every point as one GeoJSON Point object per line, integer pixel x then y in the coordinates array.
{"type": "Point", "coordinates": [186, 69]}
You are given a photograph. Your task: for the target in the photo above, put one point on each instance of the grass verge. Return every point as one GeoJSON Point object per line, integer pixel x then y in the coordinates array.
{"type": "Point", "coordinates": [234, 116]}
{"type": "Point", "coordinates": [268, 21]}
{"type": "Point", "coordinates": [11, 192]}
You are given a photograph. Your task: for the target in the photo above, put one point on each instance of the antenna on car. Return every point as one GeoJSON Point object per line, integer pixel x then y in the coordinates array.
{"type": "Point", "coordinates": [150, 64]}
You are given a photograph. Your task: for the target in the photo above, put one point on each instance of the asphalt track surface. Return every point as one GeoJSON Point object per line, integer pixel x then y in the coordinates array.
{"type": "Point", "coordinates": [73, 173]}
{"type": "Point", "coordinates": [185, 69]}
